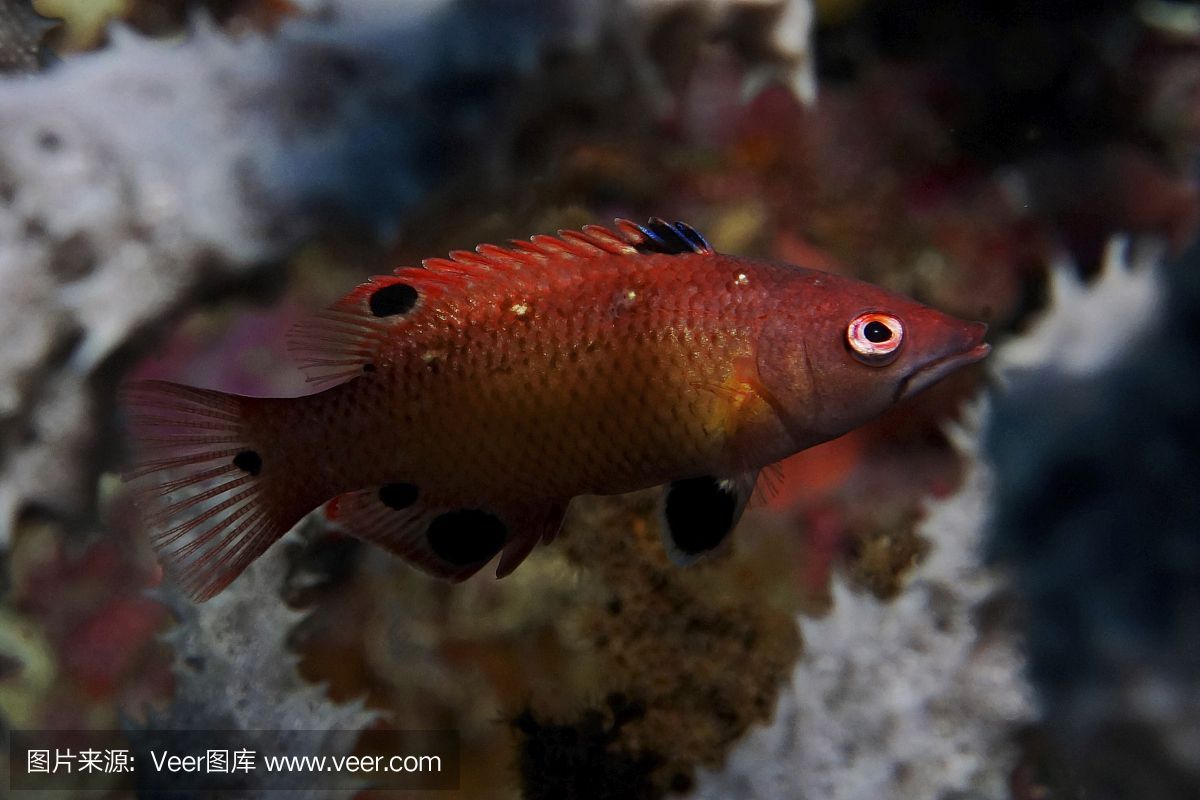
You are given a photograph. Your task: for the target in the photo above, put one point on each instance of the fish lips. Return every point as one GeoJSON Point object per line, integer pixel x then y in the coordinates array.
{"type": "Point", "coordinates": [933, 371]}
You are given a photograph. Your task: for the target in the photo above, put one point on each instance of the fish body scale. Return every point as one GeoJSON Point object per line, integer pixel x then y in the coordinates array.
{"type": "Point", "coordinates": [588, 385]}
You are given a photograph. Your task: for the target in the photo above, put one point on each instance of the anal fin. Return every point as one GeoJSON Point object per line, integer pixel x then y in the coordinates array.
{"type": "Point", "coordinates": [442, 537]}
{"type": "Point", "coordinates": [698, 514]}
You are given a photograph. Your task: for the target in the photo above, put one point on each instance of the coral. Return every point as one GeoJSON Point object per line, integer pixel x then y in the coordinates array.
{"type": "Point", "coordinates": [920, 697]}
{"type": "Point", "coordinates": [772, 36]}
{"type": "Point", "coordinates": [1090, 325]}
{"type": "Point", "coordinates": [88, 629]}
{"type": "Point", "coordinates": [22, 30]}
{"type": "Point", "coordinates": [583, 758]}
{"type": "Point", "coordinates": [880, 555]}
{"type": "Point", "coordinates": [142, 181]}
{"type": "Point", "coordinates": [1094, 447]}
{"type": "Point", "coordinates": [236, 677]}
{"type": "Point", "coordinates": [693, 658]}
{"type": "Point", "coordinates": [233, 667]}
{"type": "Point", "coordinates": [26, 670]}
{"type": "Point", "coordinates": [907, 699]}
{"type": "Point", "coordinates": [436, 655]}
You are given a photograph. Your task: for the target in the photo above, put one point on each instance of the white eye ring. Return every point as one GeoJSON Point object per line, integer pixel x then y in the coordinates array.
{"type": "Point", "coordinates": [875, 338]}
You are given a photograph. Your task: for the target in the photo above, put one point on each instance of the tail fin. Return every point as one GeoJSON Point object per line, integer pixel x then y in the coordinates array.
{"type": "Point", "coordinates": [197, 481]}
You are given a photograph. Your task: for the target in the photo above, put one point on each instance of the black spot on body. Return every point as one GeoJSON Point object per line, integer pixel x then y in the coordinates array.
{"type": "Point", "coordinates": [466, 536]}
{"type": "Point", "coordinates": [368, 367]}
{"type": "Point", "coordinates": [398, 496]}
{"type": "Point", "coordinates": [699, 514]}
{"type": "Point", "coordinates": [248, 461]}
{"type": "Point", "coordinates": [399, 298]}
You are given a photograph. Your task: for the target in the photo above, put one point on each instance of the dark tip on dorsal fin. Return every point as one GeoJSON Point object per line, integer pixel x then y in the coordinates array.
{"type": "Point", "coordinates": [671, 238]}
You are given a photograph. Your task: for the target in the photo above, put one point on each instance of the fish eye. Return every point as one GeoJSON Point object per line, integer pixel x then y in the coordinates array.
{"type": "Point", "coordinates": [875, 338]}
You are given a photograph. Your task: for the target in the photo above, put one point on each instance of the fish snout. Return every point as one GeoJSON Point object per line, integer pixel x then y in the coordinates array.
{"type": "Point", "coordinates": [965, 347]}
{"type": "Point", "coordinates": [976, 331]}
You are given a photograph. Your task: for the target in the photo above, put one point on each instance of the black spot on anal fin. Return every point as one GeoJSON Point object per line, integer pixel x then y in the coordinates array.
{"type": "Point", "coordinates": [699, 514]}
{"type": "Point", "coordinates": [466, 536]}
{"type": "Point", "coordinates": [398, 496]}
{"type": "Point", "coordinates": [248, 461]}
{"type": "Point", "coordinates": [391, 300]}
{"type": "Point", "coordinates": [671, 238]}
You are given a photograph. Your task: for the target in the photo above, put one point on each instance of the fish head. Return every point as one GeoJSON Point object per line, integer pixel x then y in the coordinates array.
{"type": "Point", "coordinates": [839, 352]}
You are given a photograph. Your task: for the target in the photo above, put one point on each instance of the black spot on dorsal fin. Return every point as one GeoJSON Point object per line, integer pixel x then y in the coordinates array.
{"type": "Point", "coordinates": [344, 340]}
{"type": "Point", "coordinates": [393, 299]}
{"type": "Point", "coordinates": [671, 238]}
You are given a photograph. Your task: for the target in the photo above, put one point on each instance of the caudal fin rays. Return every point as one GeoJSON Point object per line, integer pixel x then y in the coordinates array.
{"type": "Point", "coordinates": [198, 482]}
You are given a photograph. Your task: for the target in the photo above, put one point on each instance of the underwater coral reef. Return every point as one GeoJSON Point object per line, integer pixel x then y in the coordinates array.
{"type": "Point", "coordinates": [989, 591]}
{"type": "Point", "coordinates": [1092, 444]}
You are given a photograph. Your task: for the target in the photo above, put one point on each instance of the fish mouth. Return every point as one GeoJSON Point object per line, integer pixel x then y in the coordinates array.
{"type": "Point", "coordinates": [934, 371]}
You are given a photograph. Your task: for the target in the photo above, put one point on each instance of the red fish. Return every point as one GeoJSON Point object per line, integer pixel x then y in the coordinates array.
{"type": "Point", "coordinates": [476, 395]}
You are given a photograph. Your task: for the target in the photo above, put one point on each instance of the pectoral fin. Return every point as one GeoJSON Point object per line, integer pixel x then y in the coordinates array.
{"type": "Point", "coordinates": [698, 514]}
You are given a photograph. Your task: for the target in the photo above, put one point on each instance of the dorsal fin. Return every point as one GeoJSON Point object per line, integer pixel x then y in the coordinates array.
{"type": "Point", "coordinates": [344, 340]}
{"type": "Point", "coordinates": [672, 238]}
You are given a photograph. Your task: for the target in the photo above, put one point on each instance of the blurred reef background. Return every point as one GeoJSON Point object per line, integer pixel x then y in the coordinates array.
{"type": "Point", "coordinates": [991, 592]}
